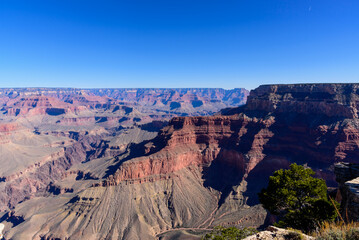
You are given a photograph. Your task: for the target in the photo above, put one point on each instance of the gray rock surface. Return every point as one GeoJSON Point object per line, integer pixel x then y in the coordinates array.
{"type": "Point", "coordinates": [347, 176]}
{"type": "Point", "coordinates": [274, 233]}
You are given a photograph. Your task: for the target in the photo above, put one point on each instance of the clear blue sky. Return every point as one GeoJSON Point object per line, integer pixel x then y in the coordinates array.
{"type": "Point", "coordinates": [177, 43]}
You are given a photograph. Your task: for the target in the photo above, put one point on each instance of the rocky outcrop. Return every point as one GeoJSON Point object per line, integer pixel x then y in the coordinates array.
{"type": "Point", "coordinates": [196, 141]}
{"type": "Point", "coordinates": [345, 172]}
{"type": "Point", "coordinates": [274, 233]}
{"type": "Point", "coordinates": [6, 129]}
{"type": "Point", "coordinates": [347, 176]}
{"type": "Point", "coordinates": [56, 190]}
{"type": "Point", "coordinates": [38, 105]}
{"type": "Point", "coordinates": [2, 226]}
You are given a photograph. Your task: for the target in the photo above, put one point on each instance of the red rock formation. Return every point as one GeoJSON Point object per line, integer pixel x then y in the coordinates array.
{"type": "Point", "coordinates": [196, 141]}
{"type": "Point", "coordinates": [314, 124]}
{"type": "Point", "coordinates": [37, 105]}
{"type": "Point", "coordinates": [89, 101]}
{"type": "Point", "coordinates": [6, 129]}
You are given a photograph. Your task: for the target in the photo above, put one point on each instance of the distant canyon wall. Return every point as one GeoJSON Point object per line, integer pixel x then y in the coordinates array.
{"type": "Point", "coordinates": [143, 96]}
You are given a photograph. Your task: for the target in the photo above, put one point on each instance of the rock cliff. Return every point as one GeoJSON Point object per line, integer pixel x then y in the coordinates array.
{"type": "Point", "coordinates": [197, 141]}
{"type": "Point", "coordinates": [274, 233]}
{"type": "Point", "coordinates": [330, 100]}
{"type": "Point", "coordinates": [37, 105]}
{"type": "Point", "coordinates": [347, 176]}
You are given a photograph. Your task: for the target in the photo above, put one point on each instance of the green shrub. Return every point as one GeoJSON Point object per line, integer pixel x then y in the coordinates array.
{"type": "Point", "coordinates": [293, 236]}
{"type": "Point", "coordinates": [231, 233]}
{"type": "Point", "coordinates": [297, 198]}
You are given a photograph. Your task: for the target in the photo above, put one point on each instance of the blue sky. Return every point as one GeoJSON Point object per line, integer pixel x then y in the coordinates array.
{"type": "Point", "coordinates": [177, 43]}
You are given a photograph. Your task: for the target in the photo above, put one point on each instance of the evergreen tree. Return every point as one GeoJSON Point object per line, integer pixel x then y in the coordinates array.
{"type": "Point", "coordinates": [297, 198]}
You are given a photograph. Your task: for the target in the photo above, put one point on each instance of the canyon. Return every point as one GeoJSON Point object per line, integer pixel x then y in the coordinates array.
{"type": "Point", "coordinates": [161, 164]}
{"type": "Point", "coordinates": [47, 135]}
{"type": "Point", "coordinates": [44, 132]}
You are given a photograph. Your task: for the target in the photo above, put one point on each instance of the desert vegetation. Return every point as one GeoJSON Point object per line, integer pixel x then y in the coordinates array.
{"type": "Point", "coordinates": [298, 199]}
{"type": "Point", "coordinates": [301, 203]}
{"type": "Point", "coordinates": [231, 233]}
{"type": "Point", "coordinates": [337, 231]}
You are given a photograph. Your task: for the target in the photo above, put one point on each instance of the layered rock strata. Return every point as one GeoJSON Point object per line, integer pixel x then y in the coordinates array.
{"type": "Point", "coordinates": [24, 184]}
{"type": "Point", "coordinates": [330, 100]}
{"type": "Point", "coordinates": [196, 141]}
{"type": "Point", "coordinates": [280, 124]}
{"type": "Point", "coordinates": [58, 101]}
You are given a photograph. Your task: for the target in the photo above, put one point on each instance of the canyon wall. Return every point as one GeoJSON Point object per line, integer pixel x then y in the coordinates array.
{"type": "Point", "coordinates": [330, 100]}
{"type": "Point", "coordinates": [169, 99]}
{"type": "Point", "coordinates": [308, 124]}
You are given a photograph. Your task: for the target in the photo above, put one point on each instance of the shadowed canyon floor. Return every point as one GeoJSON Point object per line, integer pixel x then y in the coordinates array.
{"type": "Point", "coordinates": [127, 179]}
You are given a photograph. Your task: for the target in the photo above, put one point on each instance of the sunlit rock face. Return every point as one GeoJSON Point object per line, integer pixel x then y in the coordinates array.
{"type": "Point", "coordinates": [2, 226]}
